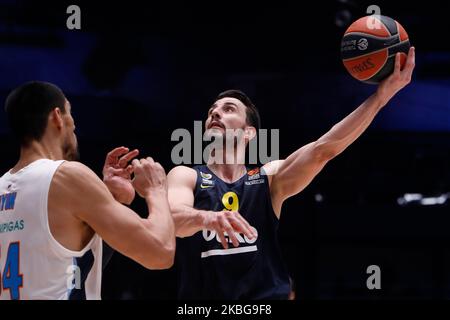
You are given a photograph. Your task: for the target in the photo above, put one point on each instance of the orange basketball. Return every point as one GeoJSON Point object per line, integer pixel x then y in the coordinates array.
{"type": "Point", "coordinates": [369, 46]}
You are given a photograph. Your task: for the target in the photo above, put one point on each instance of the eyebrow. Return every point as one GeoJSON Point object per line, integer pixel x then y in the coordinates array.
{"type": "Point", "coordinates": [230, 104]}
{"type": "Point", "coordinates": [225, 104]}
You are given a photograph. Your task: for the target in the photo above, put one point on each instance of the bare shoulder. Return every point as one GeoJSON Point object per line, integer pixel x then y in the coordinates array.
{"type": "Point", "coordinates": [182, 175]}
{"type": "Point", "coordinates": [74, 172]}
{"type": "Point", "coordinates": [75, 179]}
{"type": "Point", "coordinates": [271, 168]}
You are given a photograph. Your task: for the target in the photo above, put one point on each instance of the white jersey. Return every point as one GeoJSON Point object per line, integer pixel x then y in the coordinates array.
{"type": "Point", "coordinates": [33, 265]}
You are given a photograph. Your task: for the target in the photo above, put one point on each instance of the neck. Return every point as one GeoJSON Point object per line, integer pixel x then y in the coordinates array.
{"type": "Point", "coordinates": [230, 169]}
{"type": "Point", "coordinates": [228, 172]}
{"type": "Point", "coordinates": [35, 151]}
{"type": "Point", "coordinates": [232, 164]}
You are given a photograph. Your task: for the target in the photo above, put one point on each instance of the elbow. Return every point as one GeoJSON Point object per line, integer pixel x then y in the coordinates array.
{"type": "Point", "coordinates": [167, 257]}
{"type": "Point", "coordinates": [163, 258]}
{"type": "Point", "coordinates": [325, 151]}
{"type": "Point", "coordinates": [160, 264]}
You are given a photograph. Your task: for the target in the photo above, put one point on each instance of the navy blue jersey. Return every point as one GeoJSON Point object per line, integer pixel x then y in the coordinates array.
{"type": "Point", "coordinates": [254, 269]}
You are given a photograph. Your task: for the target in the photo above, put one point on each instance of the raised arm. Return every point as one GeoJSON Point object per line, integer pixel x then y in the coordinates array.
{"type": "Point", "coordinates": [149, 241]}
{"type": "Point", "coordinates": [290, 176]}
{"type": "Point", "coordinates": [188, 220]}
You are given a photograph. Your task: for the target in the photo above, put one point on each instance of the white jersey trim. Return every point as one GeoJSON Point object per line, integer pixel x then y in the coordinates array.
{"type": "Point", "coordinates": [56, 245]}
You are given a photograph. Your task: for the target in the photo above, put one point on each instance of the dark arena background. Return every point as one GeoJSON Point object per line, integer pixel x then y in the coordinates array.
{"type": "Point", "coordinates": [137, 71]}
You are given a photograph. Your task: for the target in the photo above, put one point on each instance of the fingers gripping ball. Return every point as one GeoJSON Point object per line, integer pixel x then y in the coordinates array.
{"type": "Point", "coordinates": [369, 46]}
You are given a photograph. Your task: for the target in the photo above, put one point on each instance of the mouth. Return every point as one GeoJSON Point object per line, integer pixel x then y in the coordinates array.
{"type": "Point", "coordinates": [216, 124]}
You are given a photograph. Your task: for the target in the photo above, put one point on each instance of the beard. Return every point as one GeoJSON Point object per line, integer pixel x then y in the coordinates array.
{"type": "Point", "coordinates": [224, 144]}
{"type": "Point", "coordinates": [228, 134]}
{"type": "Point", "coordinates": [70, 151]}
{"type": "Point", "coordinates": [211, 134]}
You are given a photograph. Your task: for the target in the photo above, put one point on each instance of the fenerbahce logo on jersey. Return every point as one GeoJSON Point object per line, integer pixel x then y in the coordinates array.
{"type": "Point", "coordinates": [206, 180]}
{"type": "Point", "coordinates": [245, 244]}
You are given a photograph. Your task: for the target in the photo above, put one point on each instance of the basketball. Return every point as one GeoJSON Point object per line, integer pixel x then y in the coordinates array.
{"type": "Point", "coordinates": [369, 46]}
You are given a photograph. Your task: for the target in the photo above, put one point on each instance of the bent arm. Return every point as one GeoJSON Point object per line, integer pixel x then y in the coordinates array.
{"type": "Point", "coordinates": [181, 185]}
{"type": "Point", "coordinates": [188, 220]}
{"type": "Point", "coordinates": [149, 241]}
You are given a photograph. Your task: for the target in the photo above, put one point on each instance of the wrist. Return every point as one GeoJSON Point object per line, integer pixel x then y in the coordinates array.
{"type": "Point", "coordinates": [204, 218]}
{"type": "Point", "coordinates": [155, 193]}
{"type": "Point", "coordinates": [382, 97]}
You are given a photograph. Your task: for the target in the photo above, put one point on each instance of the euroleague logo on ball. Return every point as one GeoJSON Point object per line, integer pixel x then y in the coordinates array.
{"type": "Point", "coordinates": [363, 44]}
{"type": "Point", "coordinates": [369, 47]}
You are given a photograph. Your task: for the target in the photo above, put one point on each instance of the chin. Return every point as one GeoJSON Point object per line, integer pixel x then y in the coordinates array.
{"type": "Point", "coordinates": [214, 132]}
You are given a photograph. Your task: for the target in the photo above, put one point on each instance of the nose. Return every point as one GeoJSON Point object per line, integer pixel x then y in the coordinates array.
{"type": "Point", "coordinates": [215, 114]}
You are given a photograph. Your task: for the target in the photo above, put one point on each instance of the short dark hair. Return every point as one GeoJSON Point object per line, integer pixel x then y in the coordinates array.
{"type": "Point", "coordinates": [252, 113]}
{"type": "Point", "coordinates": [28, 107]}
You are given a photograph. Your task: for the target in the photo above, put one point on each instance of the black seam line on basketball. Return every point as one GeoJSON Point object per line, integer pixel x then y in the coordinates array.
{"type": "Point", "coordinates": [368, 35]}
{"type": "Point", "coordinates": [376, 51]}
{"type": "Point", "coordinates": [379, 69]}
{"type": "Point", "coordinates": [391, 55]}
{"type": "Point", "coordinates": [398, 29]}
{"type": "Point", "coordinates": [400, 44]}
{"type": "Point", "coordinates": [386, 28]}
{"type": "Point", "coordinates": [364, 55]}
{"type": "Point", "coordinates": [386, 40]}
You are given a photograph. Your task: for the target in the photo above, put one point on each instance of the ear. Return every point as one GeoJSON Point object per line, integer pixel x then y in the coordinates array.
{"type": "Point", "coordinates": [55, 117]}
{"type": "Point", "coordinates": [250, 133]}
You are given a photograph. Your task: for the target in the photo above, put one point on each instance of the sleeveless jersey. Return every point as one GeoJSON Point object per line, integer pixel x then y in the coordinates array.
{"type": "Point", "coordinates": [33, 265]}
{"type": "Point", "coordinates": [254, 269]}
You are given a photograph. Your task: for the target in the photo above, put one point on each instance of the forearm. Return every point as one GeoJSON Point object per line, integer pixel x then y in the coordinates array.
{"type": "Point", "coordinates": [161, 217]}
{"type": "Point", "coordinates": [117, 191]}
{"type": "Point", "coordinates": [297, 171]}
{"type": "Point", "coordinates": [188, 220]}
{"type": "Point", "coordinates": [350, 128]}
{"type": "Point", "coordinates": [123, 199]}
